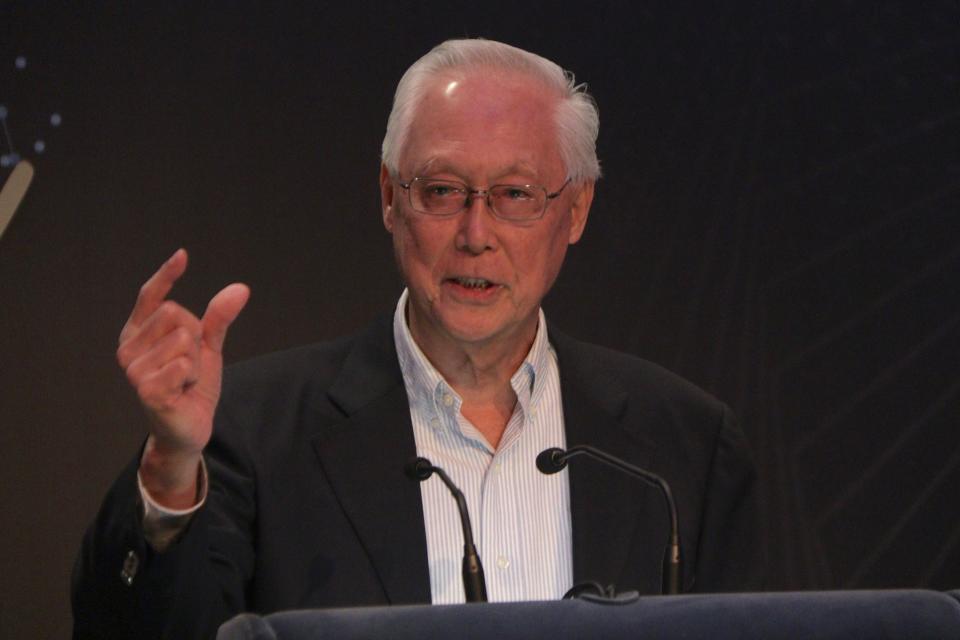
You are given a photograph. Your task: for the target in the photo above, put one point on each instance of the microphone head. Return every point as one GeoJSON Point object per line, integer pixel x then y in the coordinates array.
{"type": "Point", "coordinates": [418, 469]}
{"type": "Point", "coordinates": [551, 460]}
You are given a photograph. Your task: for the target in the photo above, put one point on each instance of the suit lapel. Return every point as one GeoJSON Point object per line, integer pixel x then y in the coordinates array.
{"type": "Point", "coordinates": [610, 511]}
{"type": "Point", "coordinates": [362, 457]}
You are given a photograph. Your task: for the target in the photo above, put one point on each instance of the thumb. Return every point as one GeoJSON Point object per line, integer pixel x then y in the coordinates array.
{"type": "Point", "coordinates": [221, 312]}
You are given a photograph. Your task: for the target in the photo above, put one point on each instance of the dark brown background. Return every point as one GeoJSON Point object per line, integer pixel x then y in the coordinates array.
{"type": "Point", "coordinates": [777, 222]}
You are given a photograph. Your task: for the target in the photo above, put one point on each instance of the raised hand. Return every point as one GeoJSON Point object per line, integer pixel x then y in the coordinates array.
{"type": "Point", "coordinates": [174, 361]}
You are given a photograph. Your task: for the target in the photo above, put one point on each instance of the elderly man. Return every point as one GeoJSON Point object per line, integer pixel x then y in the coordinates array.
{"type": "Point", "coordinates": [288, 491]}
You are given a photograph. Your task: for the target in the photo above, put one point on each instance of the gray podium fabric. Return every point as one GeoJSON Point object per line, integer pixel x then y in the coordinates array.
{"type": "Point", "coordinates": [914, 614]}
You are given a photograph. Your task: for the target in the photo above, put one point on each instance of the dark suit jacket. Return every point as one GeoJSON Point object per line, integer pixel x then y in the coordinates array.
{"type": "Point", "coordinates": [309, 506]}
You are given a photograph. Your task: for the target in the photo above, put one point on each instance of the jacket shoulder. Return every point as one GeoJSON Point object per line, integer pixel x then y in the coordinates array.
{"type": "Point", "coordinates": [271, 388]}
{"type": "Point", "coordinates": [607, 372]}
{"type": "Point", "coordinates": [320, 360]}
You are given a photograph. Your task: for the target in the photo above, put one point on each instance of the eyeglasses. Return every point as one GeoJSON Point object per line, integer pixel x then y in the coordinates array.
{"type": "Point", "coordinates": [444, 198]}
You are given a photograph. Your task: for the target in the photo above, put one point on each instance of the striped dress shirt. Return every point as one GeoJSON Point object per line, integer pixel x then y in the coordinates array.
{"type": "Point", "coordinates": [520, 517]}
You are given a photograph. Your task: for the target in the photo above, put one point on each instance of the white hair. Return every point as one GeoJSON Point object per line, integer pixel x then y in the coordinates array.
{"type": "Point", "coordinates": [576, 117]}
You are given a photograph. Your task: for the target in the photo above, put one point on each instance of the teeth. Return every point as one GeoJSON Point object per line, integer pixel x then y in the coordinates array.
{"type": "Point", "coordinates": [473, 283]}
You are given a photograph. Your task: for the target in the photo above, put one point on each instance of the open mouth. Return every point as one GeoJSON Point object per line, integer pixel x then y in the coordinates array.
{"type": "Point", "coordinates": [468, 289]}
{"type": "Point", "coordinates": [477, 284]}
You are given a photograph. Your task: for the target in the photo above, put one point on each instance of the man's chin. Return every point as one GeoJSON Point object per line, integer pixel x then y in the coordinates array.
{"type": "Point", "coordinates": [481, 327]}
{"type": "Point", "coordinates": [472, 330]}
{"type": "Point", "coordinates": [465, 324]}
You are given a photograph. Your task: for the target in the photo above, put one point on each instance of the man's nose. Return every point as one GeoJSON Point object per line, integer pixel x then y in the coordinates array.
{"type": "Point", "coordinates": [476, 232]}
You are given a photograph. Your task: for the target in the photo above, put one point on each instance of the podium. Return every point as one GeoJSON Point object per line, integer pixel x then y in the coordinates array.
{"type": "Point", "coordinates": [821, 615]}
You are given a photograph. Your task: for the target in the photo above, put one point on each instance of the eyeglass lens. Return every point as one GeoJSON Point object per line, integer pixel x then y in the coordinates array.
{"type": "Point", "coordinates": [441, 197]}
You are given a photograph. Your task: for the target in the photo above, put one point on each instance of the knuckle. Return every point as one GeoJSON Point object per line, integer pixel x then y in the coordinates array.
{"type": "Point", "coordinates": [133, 378]}
{"type": "Point", "coordinates": [188, 370]}
{"type": "Point", "coordinates": [194, 326]}
{"type": "Point", "coordinates": [148, 395]}
{"type": "Point", "coordinates": [167, 309]}
{"type": "Point", "coordinates": [175, 374]}
{"type": "Point", "coordinates": [181, 366]}
{"type": "Point", "coordinates": [126, 353]}
{"type": "Point", "coordinates": [185, 339]}
{"type": "Point", "coordinates": [160, 391]}
{"type": "Point", "coordinates": [123, 352]}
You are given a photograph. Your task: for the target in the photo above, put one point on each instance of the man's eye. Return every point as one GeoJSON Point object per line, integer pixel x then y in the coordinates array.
{"type": "Point", "coordinates": [516, 193]}
{"type": "Point", "coordinates": [440, 190]}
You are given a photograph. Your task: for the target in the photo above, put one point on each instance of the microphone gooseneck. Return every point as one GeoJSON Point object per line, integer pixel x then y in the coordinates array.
{"type": "Point", "coordinates": [474, 583]}
{"type": "Point", "coordinates": [553, 460]}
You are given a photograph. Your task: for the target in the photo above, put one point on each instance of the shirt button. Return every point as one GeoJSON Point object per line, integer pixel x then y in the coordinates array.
{"type": "Point", "coordinates": [503, 562]}
{"type": "Point", "coordinates": [447, 399]}
{"type": "Point", "coordinates": [434, 423]}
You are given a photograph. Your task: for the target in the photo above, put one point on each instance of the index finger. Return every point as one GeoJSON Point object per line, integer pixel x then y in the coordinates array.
{"type": "Point", "coordinates": [154, 291]}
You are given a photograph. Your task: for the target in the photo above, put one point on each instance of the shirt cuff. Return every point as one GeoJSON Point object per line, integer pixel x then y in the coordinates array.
{"type": "Point", "coordinates": [161, 525]}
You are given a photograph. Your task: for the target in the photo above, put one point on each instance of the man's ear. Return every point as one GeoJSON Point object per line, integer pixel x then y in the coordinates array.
{"type": "Point", "coordinates": [386, 197]}
{"type": "Point", "coordinates": [580, 209]}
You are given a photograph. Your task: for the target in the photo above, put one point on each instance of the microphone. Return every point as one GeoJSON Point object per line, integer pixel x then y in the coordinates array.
{"type": "Point", "coordinates": [474, 584]}
{"type": "Point", "coordinates": [552, 460]}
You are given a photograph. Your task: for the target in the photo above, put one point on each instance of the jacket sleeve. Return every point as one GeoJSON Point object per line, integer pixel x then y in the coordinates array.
{"type": "Point", "coordinates": [730, 556]}
{"type": "Point", "coordinates": [123, 588]}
